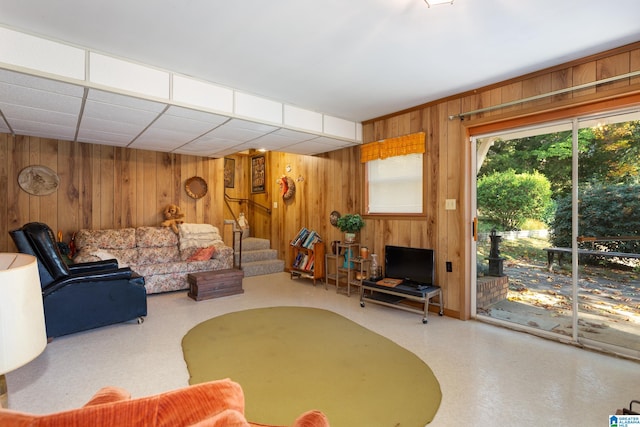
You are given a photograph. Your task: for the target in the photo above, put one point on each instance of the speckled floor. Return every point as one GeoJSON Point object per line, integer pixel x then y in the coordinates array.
{"type": "Point", "coordinates": [488, 375]}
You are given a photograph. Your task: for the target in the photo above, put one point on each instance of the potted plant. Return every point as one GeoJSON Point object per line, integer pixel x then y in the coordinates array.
{"type": "Point", "coordinates": [350, 224]}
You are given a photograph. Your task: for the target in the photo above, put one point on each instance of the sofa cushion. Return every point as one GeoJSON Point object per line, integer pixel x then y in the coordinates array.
{"type": "Point", "coordinates": [183, 267]}
{"type": "Point", "coordinates": [210, 404]}
{"type": "Point", "coordinates": [158, 255]}
{"type": "Point", "coordinates": [155, 237]}
{"type": "Point", "coordinates": [109, 394]}
{"type": "Point", "coordinates": [104, 255]}
{"type": "Point", "coordinates": [226, 418]}
{"type": "Point", "coordinates": [123, 238]}
{"type": "Point", "coordinates": [183, 407]}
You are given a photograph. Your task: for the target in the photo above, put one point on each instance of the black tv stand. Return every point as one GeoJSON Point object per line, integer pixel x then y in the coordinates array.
{"type": "Point", "coordinates": [398, 295]}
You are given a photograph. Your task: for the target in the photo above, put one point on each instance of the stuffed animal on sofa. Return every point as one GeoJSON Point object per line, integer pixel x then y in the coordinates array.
{"type": "Point", "coordinates": [172, 217]}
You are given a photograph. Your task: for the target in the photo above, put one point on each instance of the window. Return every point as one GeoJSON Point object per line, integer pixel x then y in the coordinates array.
{"type": "Point", "coordinates": [395, 174]}
{"type": "Point", "coordinates": [395, 184]}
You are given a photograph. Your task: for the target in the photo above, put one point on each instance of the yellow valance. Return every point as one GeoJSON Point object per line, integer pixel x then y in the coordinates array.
{"type": "Point", "coordinates": [390, 147]}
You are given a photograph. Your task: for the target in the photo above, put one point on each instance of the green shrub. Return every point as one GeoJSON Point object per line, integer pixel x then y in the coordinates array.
{"type": "Point", "coordinates": [510, 198]}
{"type": "Point", "coordinates": [612, 210]}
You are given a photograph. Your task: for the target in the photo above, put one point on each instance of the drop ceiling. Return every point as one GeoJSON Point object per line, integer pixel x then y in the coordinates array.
{"type": "Point", "coordinates": [213, 78]}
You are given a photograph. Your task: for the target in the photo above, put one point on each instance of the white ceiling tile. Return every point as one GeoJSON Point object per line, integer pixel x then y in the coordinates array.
{"type": "Point", "coordinates": [39, 99]}
{"type": "Point", "coordinates": [14, 113]}
{"type": "Point", "coordinates": [119, 132]}
{"type": "Point", "coordinates": [125, 101]}
{"type": "Point", "coordinates": [158, 145]}
{"type": "Point", "coordinates": [213, 141]}
{"type": "Point", "coordinates": [202, 116]}
{"type": "Point", "coordinates": [335, 142]}
{"type": "Point", "coordinates": [117, 128]}
{"type": "Point", "coordinates": [181, 125]}
{"type": "Point", "coordinates": [40, 83]}
{"type": "Point", "coordinates": [316, 146]}
{"type": "Point", "coordinates": [199, 145]}
{"type": "Point", "coordinates": [104, 138]}
{"type": "Point", "coordinates": [249, 125]}
{"type": "Point", "coordinates": [43, 130]}
{"type": "Point", "coordinates": [238, 135]}
{"type": "Point", "coordinates": [124, 117]}
{"type": "Point", "coordinates": [283, 137]}
{"type": "Point", "coordinates": [112, 115]}
{"type": "Point", "coordinates": [163, 136]}
{"type": "Point", "coordinates": [246, 146]}
{"type": "Point", "coordinates": [296, 135]}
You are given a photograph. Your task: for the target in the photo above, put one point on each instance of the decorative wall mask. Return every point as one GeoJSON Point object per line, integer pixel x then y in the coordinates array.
{"type": "Point", "coordinates": [287, 187]}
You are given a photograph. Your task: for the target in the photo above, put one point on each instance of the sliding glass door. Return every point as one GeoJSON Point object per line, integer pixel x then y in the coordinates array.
{"type": "Point", "coordinates": [608, 232]}
{"type": "Point", "coordinates": [558, 230]}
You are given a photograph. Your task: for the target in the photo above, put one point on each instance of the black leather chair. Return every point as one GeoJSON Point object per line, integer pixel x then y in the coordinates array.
{"type": "Point", "coordinates": [84, 296]}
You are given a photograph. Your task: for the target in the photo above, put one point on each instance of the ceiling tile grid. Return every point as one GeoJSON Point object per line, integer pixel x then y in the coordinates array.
{"type": "Point", "coordinates": [138, 106]}
{"type": "Point", "coordinates": [320, 70]}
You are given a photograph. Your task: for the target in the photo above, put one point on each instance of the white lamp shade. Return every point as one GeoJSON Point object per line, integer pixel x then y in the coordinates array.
{"type": "Point", "coordinates": [23, 334]}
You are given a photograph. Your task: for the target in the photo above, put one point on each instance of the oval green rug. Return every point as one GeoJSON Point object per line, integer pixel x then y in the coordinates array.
{"type": "Point", "coordinates": [292, 359]}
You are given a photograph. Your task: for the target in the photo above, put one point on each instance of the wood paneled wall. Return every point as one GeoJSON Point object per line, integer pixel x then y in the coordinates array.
{"type": "Point", "coordinates": [105, 187]}
{"type": "Point", "coordinates": [102, 186]}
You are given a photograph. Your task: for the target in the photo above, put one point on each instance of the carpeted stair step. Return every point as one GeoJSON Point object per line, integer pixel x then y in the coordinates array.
{"type": "Point", "coordinates": [258, 258]}
{"type": "Point", "coordinates": [258, 268]}
{"type": "Point", "coordinates": [253, 244]}
{"type": "Point", "coordinates": [256, 255]}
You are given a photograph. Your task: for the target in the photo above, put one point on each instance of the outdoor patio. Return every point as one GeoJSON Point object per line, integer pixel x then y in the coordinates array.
{"type": "Point", "coordinates": [609, 301]}
{"type": "Point", "coordinates": [529, 294]}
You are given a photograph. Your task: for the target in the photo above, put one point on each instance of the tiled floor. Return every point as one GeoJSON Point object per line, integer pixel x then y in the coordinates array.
{"type": "Point", "coordinates": [489, 375]}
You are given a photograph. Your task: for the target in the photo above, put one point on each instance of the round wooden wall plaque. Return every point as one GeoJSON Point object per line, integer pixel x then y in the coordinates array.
{"type": "Point", "coordinates": [38, 180]}
{"type": "Point", "coordinates": [196, 187]}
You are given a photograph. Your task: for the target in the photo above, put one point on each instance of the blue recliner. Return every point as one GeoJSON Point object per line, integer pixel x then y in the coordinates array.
{"type": "Point", "coordinates": [84, 296]}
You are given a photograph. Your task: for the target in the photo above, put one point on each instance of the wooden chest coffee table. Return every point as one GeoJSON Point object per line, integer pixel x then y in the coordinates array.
{"type": "Point", "coordinates": [215, 284]}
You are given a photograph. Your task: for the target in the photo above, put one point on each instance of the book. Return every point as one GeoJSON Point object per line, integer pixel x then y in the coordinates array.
{"type": "Point", "coordinates": [300, 237]}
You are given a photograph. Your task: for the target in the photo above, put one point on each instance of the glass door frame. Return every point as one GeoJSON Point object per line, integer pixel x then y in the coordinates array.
{"type": "Point", "coordinates": [574, 123]}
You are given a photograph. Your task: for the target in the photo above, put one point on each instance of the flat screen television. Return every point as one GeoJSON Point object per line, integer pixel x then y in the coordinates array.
{"type": "Point", "coordinates": [413, 265]}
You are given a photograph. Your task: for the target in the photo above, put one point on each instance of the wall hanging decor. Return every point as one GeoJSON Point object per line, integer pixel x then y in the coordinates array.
{"type": "Point", "coordinates": [258, 174]}
{"type": "Point", "coordinates": [287, 187]}
{"type": "Point", "coordinates": [196, 187]}
{"type": "Point", "coordinates": [333, 218]}
{"type": "Point", "coordinates": [38, 180]}
{"type": "Point", "coordinates": [229, 172]}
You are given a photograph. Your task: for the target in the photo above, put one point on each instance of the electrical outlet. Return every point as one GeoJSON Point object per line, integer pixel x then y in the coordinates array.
{"type": "Point", "coordinates": [449, 267]}
{"type": "Point", "coordinates": [450, 204]}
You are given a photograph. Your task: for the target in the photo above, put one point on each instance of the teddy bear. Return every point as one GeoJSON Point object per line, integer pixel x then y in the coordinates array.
{"type": "Point", "coordinates": [173, 216]}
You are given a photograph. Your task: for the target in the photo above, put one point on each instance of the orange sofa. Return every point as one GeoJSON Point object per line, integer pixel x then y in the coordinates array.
{"type": "Point", "coordinates": [211, 404]}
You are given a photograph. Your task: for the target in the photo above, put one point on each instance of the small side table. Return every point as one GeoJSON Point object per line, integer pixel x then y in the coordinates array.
{"type": "Point", "coordinates": [356, 270]}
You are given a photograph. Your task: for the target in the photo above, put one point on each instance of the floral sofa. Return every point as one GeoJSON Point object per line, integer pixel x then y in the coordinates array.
{"type": "Point", "coordinates": [163, 257]}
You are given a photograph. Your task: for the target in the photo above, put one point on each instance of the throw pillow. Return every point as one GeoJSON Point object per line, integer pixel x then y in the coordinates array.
{"type": "Point", "coordinates": [202, 254]}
